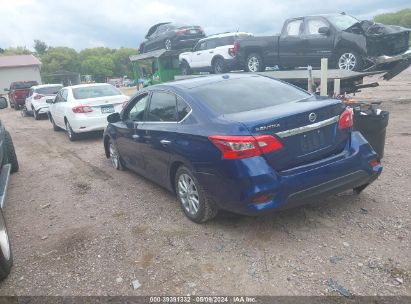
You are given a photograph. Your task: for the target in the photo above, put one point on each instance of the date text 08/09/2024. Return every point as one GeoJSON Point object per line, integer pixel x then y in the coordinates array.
{"type": "Point", "coordinates": [203, 299]}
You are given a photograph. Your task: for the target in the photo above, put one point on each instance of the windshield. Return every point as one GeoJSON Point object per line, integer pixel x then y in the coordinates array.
{"type": "Point", "coordinates": [23, 85]}
{"type": "Point", "coordinates": [95, 91]}
{"type": "Point", "coordinates": [342, 22]}
{"type": "Point", "coordinates": [247, 94]}
{"type": "Point", "coordinates": [49, 90]}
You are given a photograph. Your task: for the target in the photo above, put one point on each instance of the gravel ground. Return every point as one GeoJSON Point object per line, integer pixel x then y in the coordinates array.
{"type": "Point", "coordinates": [79, 227]}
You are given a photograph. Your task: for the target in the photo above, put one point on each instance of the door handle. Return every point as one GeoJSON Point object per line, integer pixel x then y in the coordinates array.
{"type": "Point", "coordinates": [135, 136]}
{"type": "Point", "coordinates": [165, 142]}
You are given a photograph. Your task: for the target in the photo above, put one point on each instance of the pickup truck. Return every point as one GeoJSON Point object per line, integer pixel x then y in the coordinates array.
{"type": "Point", "coordinates": [18, 93]}
{"type": "Point", "coordinates": [349, 44]}
{"type": "Point", "coordinates": [8, 164]}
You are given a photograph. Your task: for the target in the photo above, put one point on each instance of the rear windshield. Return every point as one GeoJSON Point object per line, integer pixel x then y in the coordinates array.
{"type": "Point", "coordinates": [95, 91]}
{"type": "Point", "coordinates": [247, 94]}
{"type": "Point", "coordinates": [49, 90]}
{"type": "Point", "coordinates": [23, 85]}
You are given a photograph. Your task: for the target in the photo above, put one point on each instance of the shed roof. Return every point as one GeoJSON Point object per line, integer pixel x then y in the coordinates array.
{"type": "Point", "coordinates": [18, 61]}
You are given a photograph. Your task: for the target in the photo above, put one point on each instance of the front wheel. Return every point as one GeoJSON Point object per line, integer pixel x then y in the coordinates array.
{"type": "Point", "coordinates": [115, 156]}
{"type": "Point", "coordinates": [55, 127]}
{"type": "Point", "coordinates": [6, 257]}
{"type": "Point", "coordinates": [10, 153]}
{"type": "Point", "coordinates": [70, 133]}
{"type": "Point", "coordinates": [35, 114]}
{"type": "Point", "coordinates": [194, 201]}
{"type": "Point", "coordinates": [254, 63]}
{"type": "Point", "coordinates": [349, 60]}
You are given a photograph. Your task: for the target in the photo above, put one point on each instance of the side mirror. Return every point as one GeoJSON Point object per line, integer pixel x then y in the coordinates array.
{"type": "Point", "coordinates": [3, 103]}
{"type": "Point", "coordinates": [324, 30]}
{"type": "Point", "coordinates": [114, 117]}
{"type": "Point", "coordinates": [6, 89]}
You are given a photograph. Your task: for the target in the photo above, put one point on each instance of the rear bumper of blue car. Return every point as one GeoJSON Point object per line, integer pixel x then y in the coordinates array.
{"type": "Point", "coordinates": [236, 187]}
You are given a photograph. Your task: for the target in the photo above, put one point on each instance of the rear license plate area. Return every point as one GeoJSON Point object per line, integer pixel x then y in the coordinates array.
{"type": "Point", "coordinates": [312, 141]}
{"type": "Point", "coordinates": [193, 31]}
{"type": "Point", "coordinates": [49, 100]}
{"type": "Point", "coordinates": [107, 109]}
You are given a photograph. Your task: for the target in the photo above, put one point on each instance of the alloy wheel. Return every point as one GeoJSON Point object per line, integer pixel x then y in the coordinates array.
{"type": "Point", "coordinates": [4, 239]}
{"type": "Point", "coordinates": [218, 67]}
{"type": "Point", "coordinates": [253, 64]}
{"type": "Point", "coordinates": [188, 194]}
{"type": "Point", "coordinates": [347, 62]}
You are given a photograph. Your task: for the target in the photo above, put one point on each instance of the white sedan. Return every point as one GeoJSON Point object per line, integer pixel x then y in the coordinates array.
{"type": "Point", "coordinates": [36, 101]}
{"type": "Point", "coordinates": [84, 108]}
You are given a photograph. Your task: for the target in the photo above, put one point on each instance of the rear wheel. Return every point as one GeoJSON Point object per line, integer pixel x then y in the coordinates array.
{"type": "Point", "coordinates": [194, 201]}
{"type": "Point", "coordinates": [10, 153]}
{"type": "Point", "coordinates": [218, 66]}
{"type": "Point", "coordinates": [254, 63]}
{"type": "Point", "coordinates": [349, 60]}
{"type": "Point", "coordinates": [185, 68]}
{"type": "Point", "coordinates": [6, 257]}
{"type": "Point", "coordinates": [70, 133]}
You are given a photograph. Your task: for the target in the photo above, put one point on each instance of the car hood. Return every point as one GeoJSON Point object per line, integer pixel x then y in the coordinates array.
{"type": "Point", "coordinates": [370, 28]}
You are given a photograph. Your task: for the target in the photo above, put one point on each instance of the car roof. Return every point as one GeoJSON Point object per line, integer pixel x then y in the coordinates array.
{"type": "Point", "coordinates": [202, 80]}
{"type": "Point", "coordinates": [227, 34]}
{"type": "Point", "coordinates": [46, 85]}
{"type": "Point", "coordinates": [85, 85]}
{"type": "Point", "coordinates": [320, 15]}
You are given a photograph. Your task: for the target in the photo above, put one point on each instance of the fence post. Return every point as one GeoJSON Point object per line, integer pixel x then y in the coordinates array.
{"type": "Point", "coordinates": [324, 77]}
{"type": "Point", "coordinates": [337, 87]}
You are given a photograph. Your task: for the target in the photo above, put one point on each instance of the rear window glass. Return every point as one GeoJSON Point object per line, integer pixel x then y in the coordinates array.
{"type": "Point", "coordinates": [247, 94]}
{"type": "Point", "coordinates": [49, 90]}
{"type": "Point", "coordinates": [23, 85]}
{"type": "Point", "coordinates": [95, 91]}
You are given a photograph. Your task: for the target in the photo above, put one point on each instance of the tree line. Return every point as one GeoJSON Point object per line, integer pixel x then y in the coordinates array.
{"type": "Point", "coordinates": [99, 62]}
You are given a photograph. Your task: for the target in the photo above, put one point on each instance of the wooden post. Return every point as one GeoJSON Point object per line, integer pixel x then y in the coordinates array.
{"type": "Point", "coordinates": [324, 77]}
{"type": "Point", "coordinates": [337, 87]}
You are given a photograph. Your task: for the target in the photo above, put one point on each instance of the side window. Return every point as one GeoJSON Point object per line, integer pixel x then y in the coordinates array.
{"type": "Point", "coordinates": [162, 107]}
{"type": "Point", "coordinates": [58, 98]}
{"type": "Point", "coordinates": [64, 94]}
{"type": "Point", "coordinates": [294, 27]}
{"type": "Point", "coordinates": [182, 109]}
{"type": "Point", "coordinates": [30, 93]}
{"type": "Point", "coordinates": [136, 113]}
{"type": "Point", "coordinates": [211, 43]}
{"type": "Point", "coordinates": [313, 25]}
{"type": "Point", "coordinates": [202, 46]}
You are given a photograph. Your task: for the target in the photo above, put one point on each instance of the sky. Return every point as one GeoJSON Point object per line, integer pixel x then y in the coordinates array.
{"type": "Point", "coordinates": [94, 23]}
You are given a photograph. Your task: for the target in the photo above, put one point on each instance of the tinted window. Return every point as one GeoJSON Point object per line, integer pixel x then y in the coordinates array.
{"type": "Point", "coordinates": [23, 85]}
{"type": "Point", "coordinates": [95, 91]}
{"type": "Point", "coordinates": [162, 107]}
{"type": "Point", "coordinates": [64, 94]}
{"type": "Point", "coordinates": [225, 41]}
{"type": "Point", "coordinates": [182, 109]}
{"type": "Point", "coordinates": [136, 113]}
{"type": "Point", "coordinates": [313, 25]}
{"type": "Point", "coordinates": [211, 43]}
{"type": "Point", "coordinates": [293, 27]}
{"type": "Point", "coordinates": [246, 94]}
{"type": "Point", "coordinates": [49, 90]}
{"type": "Point", "coordinates": [201, 46]}
{"type": "Point", "coordinates": [342, 22]}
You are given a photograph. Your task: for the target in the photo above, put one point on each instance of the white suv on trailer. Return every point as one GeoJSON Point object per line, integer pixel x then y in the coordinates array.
{"type": "Point", "coordinates": [215, 53]}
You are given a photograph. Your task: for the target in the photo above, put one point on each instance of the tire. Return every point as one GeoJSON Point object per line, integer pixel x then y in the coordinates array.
{"type": "Point", "coordinates": [55, 127]}
{"type": "Point", "coordinates": [254, 63]}
{"type": "Point", "coordinates": [70, 133]}
{"type": "Point", "coordinates": [10, 153]}
{"type": "Point", "coordinates": [185, 182]}
{"type": "Point", "coordinates": [11, 105]}
{"type": "Point", "coordinates": [185, 68]}
{"type": "Point", "coordinates": [35, 114]}
{"type": "Point", "coordinates": [349, 60]}
{"type": "Point", "coordinates": [115, 156]}
{"type": "Point", "coordinates": [168, 45]}
{"type": "Point", "coordinates": [16, 107]}
{"type": "Point", "coordinates": [6, 256]}
{"type": "Point", "coordinates": [218, 66]}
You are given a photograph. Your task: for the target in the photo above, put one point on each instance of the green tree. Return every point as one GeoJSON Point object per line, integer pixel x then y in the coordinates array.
{"type": "Point", "coordinates": [122, 63]}
{"type": "Point", "coordinates": [20, 50]}
{"type": "Point", "coordinates": [99, 67]}
{"type": "Point", "coordinates": [40, 47]}
{"type": "Point", "coordinates": [59, 58]}
{"type": "Point", "coordinates": [402, 18]}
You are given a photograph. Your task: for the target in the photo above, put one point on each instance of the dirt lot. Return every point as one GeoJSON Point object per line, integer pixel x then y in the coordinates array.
{"type": "Point", "coordinates": [79, 227]}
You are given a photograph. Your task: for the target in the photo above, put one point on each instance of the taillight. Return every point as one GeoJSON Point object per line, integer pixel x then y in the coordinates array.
{"type": "Point", "coordinates": [82, 109]}
{"type": "Point", "coordinates": [345, 120]}
{"type": "Point", "coordinates": [236, 147]}
{"type": "Point", "coordinates": [233, 51]}
{"type": "Point", "coordinates": [374, 162]}
{"type": "Point", "coordinates": [38, 96]}
{"type": "Point", "coordinates": [180, 31]}
{"type": "Point", "coordinates": [14, 94]}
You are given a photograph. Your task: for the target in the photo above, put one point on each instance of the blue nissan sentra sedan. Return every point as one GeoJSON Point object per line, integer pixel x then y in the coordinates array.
{"type": "Point", "coordinates": [240, 142]}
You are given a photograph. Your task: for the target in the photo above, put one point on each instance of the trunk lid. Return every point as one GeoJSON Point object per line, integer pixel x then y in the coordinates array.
{"type": "Point", "coordinates": [103, 105]}
{"type": "Point", "coordinates": [20, 93]}
{"type": "Point", "coordinates": [303, 140]}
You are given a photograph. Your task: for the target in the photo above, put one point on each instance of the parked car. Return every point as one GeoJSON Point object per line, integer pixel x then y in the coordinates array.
{"type": "Point", "coordinates": [18, 92]}
{"type": "Point", "coordinates": [348, 43]}
{"type": "Point", "coordinates": [241, 142]}
{"type": "Point", "coordinates": [212, 54]}
{"type": "Point", "coordinates": [171, 36]}
{"type": "Point", "coordinates": [36, 101]}
{"type": "Point", "coordinates": [8, 164]}
{"type": "Point", "coordinates": [84, 108]}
